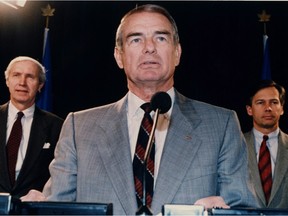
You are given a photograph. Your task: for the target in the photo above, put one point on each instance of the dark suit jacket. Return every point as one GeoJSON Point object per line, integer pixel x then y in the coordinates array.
{"type": "Point", "coordinates": [279, 193]}
{"type": "Point", "coordinates": [34, 173]}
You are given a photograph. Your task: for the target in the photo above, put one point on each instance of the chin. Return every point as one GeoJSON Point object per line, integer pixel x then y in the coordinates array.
{"type": "Point", "coordinates": [268, 126]}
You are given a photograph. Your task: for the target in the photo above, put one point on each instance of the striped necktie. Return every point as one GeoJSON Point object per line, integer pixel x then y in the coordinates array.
{"type": "Point", "coordinates": [138, 166]}
{"type": "Point", "coordinates": [265, 170]}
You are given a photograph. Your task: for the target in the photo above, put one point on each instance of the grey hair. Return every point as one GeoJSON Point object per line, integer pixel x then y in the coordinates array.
{"type": "Point", "coordinates": [41, 69]}
{"type": "Point", "coordinates": [146, 8]}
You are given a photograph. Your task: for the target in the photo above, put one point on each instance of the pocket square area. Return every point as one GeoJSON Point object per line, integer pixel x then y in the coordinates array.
{"type": "Point", "coordinates": [46, 146]}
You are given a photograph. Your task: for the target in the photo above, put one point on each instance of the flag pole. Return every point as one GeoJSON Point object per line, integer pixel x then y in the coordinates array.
{"type": "Point", "coordinates": [44, 100]}
{"type": "Point", "coordinates": [264, 18]}
{"type": "Point", "coordinates": [47, 12]}
{"type": "Point", "coordinates": [266, 70]}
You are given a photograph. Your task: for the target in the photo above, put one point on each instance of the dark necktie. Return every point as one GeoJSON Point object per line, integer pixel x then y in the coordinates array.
{"type": "Point", "coordinates": [138, 167]}
{"type": "Point", "coordinates": [265, 170]}
{"type": "Point", "coordinates": [13, 146]}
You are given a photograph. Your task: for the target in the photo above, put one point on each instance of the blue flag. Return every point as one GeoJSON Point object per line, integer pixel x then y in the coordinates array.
{"type": "Point", "coordinates": [45, 97]}
{"type": "Point", "coordinates": [266, 69]}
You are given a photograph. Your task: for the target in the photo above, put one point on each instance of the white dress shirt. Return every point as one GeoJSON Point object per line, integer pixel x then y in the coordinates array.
{"type": "Point", "coordinates": [26, 127]}
{"type": "Point", "coordinates": [135, 115]}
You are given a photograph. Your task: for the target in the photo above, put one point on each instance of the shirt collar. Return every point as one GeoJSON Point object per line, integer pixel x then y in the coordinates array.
{"type": "Point", "coordinates": [135, 102]}
{"type": "Point", "coordinates": [273, 136]}
{"type": "Point", "coordinates": [12, 111]}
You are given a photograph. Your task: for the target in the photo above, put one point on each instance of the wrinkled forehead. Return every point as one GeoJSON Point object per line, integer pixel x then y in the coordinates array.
{"type": "Point", "coordinates": [24, 66]}
{"type": "Point", "coordinates": [144, 21]}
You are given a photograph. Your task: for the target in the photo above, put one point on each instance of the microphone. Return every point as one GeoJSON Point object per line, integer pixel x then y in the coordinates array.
{"type": "Point", "coordinates": [160, 103]}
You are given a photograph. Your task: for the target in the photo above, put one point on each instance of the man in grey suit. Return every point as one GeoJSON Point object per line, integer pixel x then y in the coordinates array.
{"type": "Point", "coordinates": [265, 105]}
{"type": "Point", "coordinates": [200, 153]}
{"type": "Point", "coordinates": [24, 78]}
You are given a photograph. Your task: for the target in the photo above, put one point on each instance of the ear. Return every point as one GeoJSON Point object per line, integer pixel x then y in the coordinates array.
{"type": "Point", "coordinates": [282, 111]}
{"type": "Point", "coordinates": [249, 110]}
{"type": "Point", "coordinates": [118, 57]}
{"type": "Point", "coordinates": [178, 53]}
{"type": "Point", "coordinates": [40, 87]}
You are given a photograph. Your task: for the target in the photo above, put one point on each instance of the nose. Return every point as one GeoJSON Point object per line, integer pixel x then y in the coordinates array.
{"type": "Point", "coordinates": [268, 107]}
{"type": "Point", "coordinates": [149, 47]}
{"type": "Point", "coordinates": [22, 80]}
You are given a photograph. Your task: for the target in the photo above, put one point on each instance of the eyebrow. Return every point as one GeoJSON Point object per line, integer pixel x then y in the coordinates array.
{"type": "Point", "coordinates": [134, 34]}
{"type": "Point", "coordinates": [271, 99]}
{"type": "Point", "coordinates": [156, 33]}
{"type": "Point", "coordinates": [165, 32]}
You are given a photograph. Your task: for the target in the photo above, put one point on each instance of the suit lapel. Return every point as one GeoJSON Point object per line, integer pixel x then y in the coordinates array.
{"type": "Point", "coordinates": [253, 167]}
{"type": "Point", "coordinates": [35, 144]}
{"type": "Point", "coordinates": [281, 166]}
{"type": "Point", "coordinates": [4, 179]}
{"type": "Point", "coordinates": [117, 157]}
{"type": "Point", "coordinates": [180, 147]}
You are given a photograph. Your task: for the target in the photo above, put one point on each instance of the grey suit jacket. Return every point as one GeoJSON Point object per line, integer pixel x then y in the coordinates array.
{"type": "Point", "coordinates": [34, 172]}
{"type": "Point", "coordinates": [279, 193]}
{"type": "Point", "coordinates": [204, 155]}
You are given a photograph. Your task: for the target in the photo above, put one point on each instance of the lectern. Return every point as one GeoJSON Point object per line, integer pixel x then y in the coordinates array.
{"type": "Point", "coordinates": [61, 208]}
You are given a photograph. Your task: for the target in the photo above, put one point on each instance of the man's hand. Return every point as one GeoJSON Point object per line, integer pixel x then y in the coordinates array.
{"type": "Point", "coordinates": [33, 195]}
{"type": "Point", "coordinates": [212, 202]}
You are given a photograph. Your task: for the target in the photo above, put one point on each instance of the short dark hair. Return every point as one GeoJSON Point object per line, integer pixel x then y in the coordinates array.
{"type": "Point", "coordinates": [266, 84]}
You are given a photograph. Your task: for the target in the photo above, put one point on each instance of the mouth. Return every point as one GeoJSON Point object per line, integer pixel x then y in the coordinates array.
{"type": "Point", "coordinates": [22, 91]}
{"type": "Point", "coordinates": [149, 64]}
{"type": "Point", "coordinates": [268, 117]}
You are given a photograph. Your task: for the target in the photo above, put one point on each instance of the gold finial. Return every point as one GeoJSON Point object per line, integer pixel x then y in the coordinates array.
{"type": "Point", "coordinates": [264, 17]}
{"type": "Point", "coordinates": [47, 12]}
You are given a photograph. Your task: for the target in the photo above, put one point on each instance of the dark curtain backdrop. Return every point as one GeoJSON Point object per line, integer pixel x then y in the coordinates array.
{"type": "Point", "coordinates": [221, 41]}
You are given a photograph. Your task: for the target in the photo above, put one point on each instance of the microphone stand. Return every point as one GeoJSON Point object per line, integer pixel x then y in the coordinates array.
{"type": "Point", "coordinates": [144, 209]}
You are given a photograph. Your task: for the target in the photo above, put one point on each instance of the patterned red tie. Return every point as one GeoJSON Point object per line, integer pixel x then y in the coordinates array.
{"type": "Point", "coordinates": [138, 167]}
{"type": "Point", "coordinates": [13, 146]}
{"type": "Point", "coordinates": [265, 170]}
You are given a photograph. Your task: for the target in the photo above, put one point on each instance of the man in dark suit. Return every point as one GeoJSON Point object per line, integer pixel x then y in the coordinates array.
{"type": "Point", "coordinates": [265, 105]}
{"type": "Point", "coordinates": [40, 129]}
